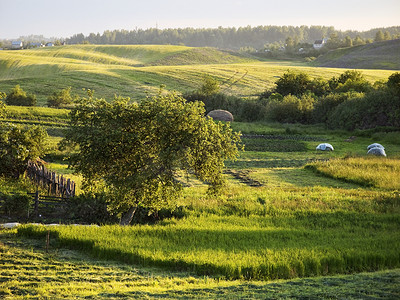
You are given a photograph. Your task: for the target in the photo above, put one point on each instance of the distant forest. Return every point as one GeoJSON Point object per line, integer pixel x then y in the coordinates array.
{"type": "Point", "coordinates": [226, 38]}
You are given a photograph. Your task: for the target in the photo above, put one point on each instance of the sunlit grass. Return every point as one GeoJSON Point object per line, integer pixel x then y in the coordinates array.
{"type": "Point", "coordinates": [133, 71]}
{"type": "Point", "coordinates": [28, 272]}
{"type": "Point", "coordinates": [378, 172]}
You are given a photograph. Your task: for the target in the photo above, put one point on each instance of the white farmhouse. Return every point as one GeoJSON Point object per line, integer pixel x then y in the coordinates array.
{"type": "Point", "coordinates": [318, 44]}
{"type": "Point", "coordinates": [16, 45]}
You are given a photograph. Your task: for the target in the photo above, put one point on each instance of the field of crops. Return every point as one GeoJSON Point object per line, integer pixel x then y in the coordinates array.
{"type": "Point", "coordinates": [134, 71]}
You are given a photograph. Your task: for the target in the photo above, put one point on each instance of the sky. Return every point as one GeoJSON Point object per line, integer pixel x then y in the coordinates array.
{"type": "Point", "coordinates": [64, 18]}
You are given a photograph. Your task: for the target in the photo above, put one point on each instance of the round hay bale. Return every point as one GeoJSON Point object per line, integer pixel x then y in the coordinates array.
{"type": "Point", "coordinates": [325, 147]}
{"type": "Point", "coordinates": [220, 115]}
{"type": "Point", "coordinates": [375, 145]}
{"type": "Point", "coordinates": [377, 151]}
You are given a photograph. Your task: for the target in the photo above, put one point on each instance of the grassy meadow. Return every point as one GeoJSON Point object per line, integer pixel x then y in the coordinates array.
{"type": "Point", "coordinates": [135, 71]}
{"type": "Point", "coordinates": [292, 222]}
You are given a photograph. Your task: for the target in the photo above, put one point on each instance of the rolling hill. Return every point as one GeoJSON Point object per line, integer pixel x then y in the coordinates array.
{"type": "Point", "coordinates": [381, 55]}
{"type": "Point", "coordinates": [136, 71]}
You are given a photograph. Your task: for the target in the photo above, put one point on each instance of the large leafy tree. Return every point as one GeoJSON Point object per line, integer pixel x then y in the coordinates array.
{"type": "Point", "coordinates": [137, 149]}
{"type": "Point", "coordinates": [18, 145]}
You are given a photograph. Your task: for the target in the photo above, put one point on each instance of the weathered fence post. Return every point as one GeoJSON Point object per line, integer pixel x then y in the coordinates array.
{"type": "Point", "coordinates": [37, 203]}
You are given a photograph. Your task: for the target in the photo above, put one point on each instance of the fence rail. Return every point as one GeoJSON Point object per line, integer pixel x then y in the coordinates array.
{"type": "Point", "coordinates": [55, 184]}
{"type": "Point", "coordinates": [40, 206]}
{"type": "Point", "coordinates": [45, 204]}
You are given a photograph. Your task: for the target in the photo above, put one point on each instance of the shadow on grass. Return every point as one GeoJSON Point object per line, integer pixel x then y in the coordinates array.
{"type": "Point", "coordinates": [379, 285]}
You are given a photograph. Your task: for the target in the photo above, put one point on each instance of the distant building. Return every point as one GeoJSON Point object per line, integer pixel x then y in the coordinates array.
{"type": "Point", "coordinates": [16, 45]}
{"type": "Point", "coordinates": [318, 44]}
{"type": "Point", "coordinates": [36, 45]}
{"type": "Point", "coordinates": [50, 44]}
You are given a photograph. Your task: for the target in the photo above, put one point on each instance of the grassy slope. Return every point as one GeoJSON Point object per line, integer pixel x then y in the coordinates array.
{"type": "Point", "coordinates": [134, 71]}
{"type": "Point", "coordinates": [382, 55]}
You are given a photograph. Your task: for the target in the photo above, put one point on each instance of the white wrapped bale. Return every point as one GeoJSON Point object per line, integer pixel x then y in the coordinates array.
{"type": "Point", "coordinates": [325, 147]}
{"type": "Point", "coordinates": [375, 145]}
{"type": "Point", "coordinates": [377, 151]}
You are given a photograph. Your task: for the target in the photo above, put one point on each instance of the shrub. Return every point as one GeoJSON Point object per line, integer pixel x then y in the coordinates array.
{"type": "Point", "coordinates": [60, 99]}
{"type": "Point", "coordinates": [292, 83]}
{"type": "Point", "coordinates": [90, 208]}
{"type": "Point", "coordinates": [350, 81]}
{"type": "Point", "coordinates": [374, 109]}
{"type": "Point", "coordinates": [291, 109]}
{"type": "Point", "coordinates": [17, 205]}
{"type": "Point", "coordinates": [210, 86]}
{"type": "Point", "coordinates": [394, 83]}
{"type": "Point", "coordinates": [19, 97]}
{"type": "Point", "coordinates": [325, 105]}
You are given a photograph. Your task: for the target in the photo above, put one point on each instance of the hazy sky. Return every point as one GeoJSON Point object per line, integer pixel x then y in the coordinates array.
{"type": "Point", "coordinates": [63, 18]}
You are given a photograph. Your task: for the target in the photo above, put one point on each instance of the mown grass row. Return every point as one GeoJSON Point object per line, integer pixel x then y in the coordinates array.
{"type": "Point", "coordinates": [28, 272]}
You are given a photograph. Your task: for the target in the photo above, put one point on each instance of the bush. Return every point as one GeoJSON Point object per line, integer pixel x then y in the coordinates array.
{"type": "Point", "coordinates": [394, 83]}
{"type": "Point", "coordinates": [379, 108]}
{"type": "Point", "coordinates": [60, 99]}
{"type": "Point", "coordinates": [19, 97]}
{"type": "Point", "coordinates": [292, 83]}
{"type": "Point", "coordinates": [90, 208]}
{"type": "Point", "coordinates": [291, 109]}
{"type": "Point", "coordinates": [326, 105]}
{"type": "Point", "coordinates": [350, 81]}
{"type": "Point", "coordinates": [17, 205]}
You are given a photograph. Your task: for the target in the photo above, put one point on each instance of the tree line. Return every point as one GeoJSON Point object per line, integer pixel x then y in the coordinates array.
{"type": "Point", "coordinates": [347, 101]}
{"type": "Point", "coordinates": [229, 37]}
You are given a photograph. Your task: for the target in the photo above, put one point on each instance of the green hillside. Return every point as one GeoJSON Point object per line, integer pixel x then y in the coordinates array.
{"type": "Point", "coordinates": [382, 55]}
{"type": "Point", "coordinates": [135, 71]}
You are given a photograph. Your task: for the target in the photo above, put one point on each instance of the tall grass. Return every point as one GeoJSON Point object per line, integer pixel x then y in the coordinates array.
{"type": "Point", "coordinates": [303, 244]}
{"type": "Point", "coordinates": [368, 171]}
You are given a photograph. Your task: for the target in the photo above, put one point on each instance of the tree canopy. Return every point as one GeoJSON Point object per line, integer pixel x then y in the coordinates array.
{"type": "Point", "coordinates": [17, 146]}
{"type": "Point", "coordinates": [138, 149]}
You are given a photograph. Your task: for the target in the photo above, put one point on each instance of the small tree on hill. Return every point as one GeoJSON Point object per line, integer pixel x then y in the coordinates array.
{"type": "Point", "coordinates": [19, 97]}
{"type": "Point", "coordinates": [60, 99]}
{"type": "Point", "coordinates": [210, 86]}
{"type": "Point", "coordinates": [137, 150]}
{"type": "Point", "coordinates": [379, 36]}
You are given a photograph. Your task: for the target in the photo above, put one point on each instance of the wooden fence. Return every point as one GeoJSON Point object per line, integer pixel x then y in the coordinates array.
{"type": "Point", "coordinates": [41, 206]}
{"type": "Point", "coordinates": [55, 184]}
{"type": "Point", "coordinates": [47, 205]}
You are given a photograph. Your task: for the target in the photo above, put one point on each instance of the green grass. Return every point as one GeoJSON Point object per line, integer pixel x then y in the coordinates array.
{"type": "Point", "coordinates": [284, 243]}
{"type": "Point", "coordinates": [298, 223]}
{"type": "Point", "coordinates": [135, 71]}
{"type": "Point", "coordinates": [28, 272]}
{"type": "Point", "coordinates": [378, 55]}
{"type": "Point", "coordinates": [378, 172]}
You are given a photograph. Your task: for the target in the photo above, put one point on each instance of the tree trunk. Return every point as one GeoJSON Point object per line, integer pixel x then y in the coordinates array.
{"type": "Point", "coordinates": [127, 217]}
